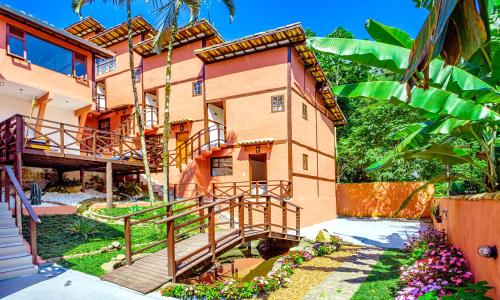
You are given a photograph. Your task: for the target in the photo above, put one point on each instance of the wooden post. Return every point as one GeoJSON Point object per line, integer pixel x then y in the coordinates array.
{"type": "Point", "coordinates": [231, 213]}
{"type": "Point", "coordinates": [172, 268]}
{"type": "Point", "coordinates": [250, 212]}
{"type": "Point", "coordinates": [297, 222]}
{"type": "Point", "coordinates": [18, 167]}
{"type": "Point", "coordinates": [128, 241]}
{"type": "Point", "coordinates": [284, 211]}
{"type": "Point", "coordinates": [33, 242]}
{"type": "Point", "coordinates": [82, 179]}
{"type": "Point", "coordinates": [241, 217]}
{"type": "Point", "coordinates": [109, 184]}
{"type": "Point", "coordinates": [234, 188]}
{"type": "Point", "coordinates": [61, 138]}
{"type": "Point", "coordinates": [211, 231]}
{"type": "Point", "coordinates": [94, 144]}
{"type": "Point", "coordinates": [268, 214]}
{"type": "Point", "coordinates": [281, 189]}
{"type": "Point", "coordinates": [6, 190]}
{"type": "Point", "coordinates": [201, 214]}
{"type": "Point", "coordinates": [175, 191]}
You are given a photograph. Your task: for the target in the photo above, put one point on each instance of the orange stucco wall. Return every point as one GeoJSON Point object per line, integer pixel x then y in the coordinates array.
{"type": "Point", "coordinates": [382, 199]}
{"type": "Point", "coordinates": [59, 85]}
{"type": "Point", "coordinates": [470, 224]}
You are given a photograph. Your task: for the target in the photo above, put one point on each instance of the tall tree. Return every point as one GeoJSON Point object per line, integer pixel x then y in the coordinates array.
{"type": "Point", "coordinates": [168, 11]}
{"type": "Point", "coordinates": [77, 6]}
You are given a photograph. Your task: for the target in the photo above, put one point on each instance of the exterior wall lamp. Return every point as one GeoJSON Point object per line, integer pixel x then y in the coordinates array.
{"type": "Point", "coordinates": [488, 251]}
{"type": "Point", "coordinates": [181, 127]}
{"type": "Point", "coordinates": [257, 149]}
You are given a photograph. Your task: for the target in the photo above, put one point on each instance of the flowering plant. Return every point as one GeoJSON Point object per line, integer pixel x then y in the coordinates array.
{"type": "Point", "coordinates": [436, 271]}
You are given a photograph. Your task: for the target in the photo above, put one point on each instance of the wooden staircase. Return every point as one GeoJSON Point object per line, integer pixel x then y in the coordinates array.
{"type": "Point", "coordinates": [15, 260]}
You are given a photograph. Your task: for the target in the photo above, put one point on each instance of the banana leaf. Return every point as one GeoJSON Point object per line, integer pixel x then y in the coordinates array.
{"type": "Point", "coordinates": [446, 154]}
{"type": "Point", "coordinates": [387, 34]}
{"type": "Point", "coordinates": [432, 100]}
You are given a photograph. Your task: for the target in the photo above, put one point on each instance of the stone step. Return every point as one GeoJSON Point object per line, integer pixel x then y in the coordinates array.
{"type": "Point", "coordinates": [11, 238]}
{"type": "Point", "coordinates": [13, 260]}
{"type": "Point", "coordinates": [4, 206]}
{"type": "Point", "coordinates": [5, 213]}
{"type": "Point", "coordinates": [8, 230]}
{"type": "Point", "coordinates": [13, 272]}
{"type": "Point", "coordinates": [7, 221]}
{"type": "Point", "coordinates": [12, 248]}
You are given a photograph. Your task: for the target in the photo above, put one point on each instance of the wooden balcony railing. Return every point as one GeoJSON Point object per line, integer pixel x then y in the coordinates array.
{"type": "Point", "coordinates": [277, 188]}
{"type": "Point", "coordinates": [37, 136]}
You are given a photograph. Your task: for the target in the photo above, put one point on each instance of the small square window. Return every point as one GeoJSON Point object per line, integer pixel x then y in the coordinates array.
{"type": "Point", "coordinates": [197, 91]}
{"type": "Point", "coordinates": [221, 166]}
{"type": "Point", "coordinates": [304, 111]}
{"type": "Point", "coordinates": [305, 161]}
{"type": "Point", "coordinates": [16, 42]}
{"type": "Point", "coordinates": [277, 103]}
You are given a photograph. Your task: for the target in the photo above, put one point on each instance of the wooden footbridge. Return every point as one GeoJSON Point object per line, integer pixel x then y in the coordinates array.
{"type": "Point", "coordinates": [199, 229]}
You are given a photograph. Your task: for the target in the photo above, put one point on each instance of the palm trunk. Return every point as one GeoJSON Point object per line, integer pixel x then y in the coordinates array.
{"type": "Point", "coordinates": [166, 112]}
{"type": "Point", "coordinates": [137, 106]}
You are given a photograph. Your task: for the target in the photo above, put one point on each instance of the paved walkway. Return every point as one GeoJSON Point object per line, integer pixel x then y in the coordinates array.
{"type": "Point", "coordinates": [55, 283]}
{"type": "Point", "coordinates": [381, 233]}
{"type": "Point", "coordinates": [345, 281]}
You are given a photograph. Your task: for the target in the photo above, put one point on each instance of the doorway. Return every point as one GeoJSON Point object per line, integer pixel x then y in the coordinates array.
{"type": "Point", "coordinates": [151, 109]}
{"type": "Point", "coordinates": [258, 173]}
{"type": "Point", "coordinates": [181, 148]}
{"type": "Point", "coordinates": [216, 123]}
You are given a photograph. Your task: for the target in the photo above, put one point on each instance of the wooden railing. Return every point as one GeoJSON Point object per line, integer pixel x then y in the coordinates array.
{"type": "Point", "coordinates": [203, 140]}
{"type": "Point", "coordinates": [159, 212]}
{"type": "Point", "coordinates": [276, 188]}
{"type": "Point", "coordinates": [37, 136]}
{"type": "Point", "coordinates": [250, 219]}
{"type": "Point", "coordinates": [21, 200]}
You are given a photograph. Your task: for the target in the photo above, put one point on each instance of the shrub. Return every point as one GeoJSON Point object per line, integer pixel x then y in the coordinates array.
{"type": "Point", "coordinates": [83, 227]}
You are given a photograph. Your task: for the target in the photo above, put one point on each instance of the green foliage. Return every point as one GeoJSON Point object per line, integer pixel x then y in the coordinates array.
{"type": "Point", "coordinates": [83, 227]}
{"type": "Point", "coordinates": [54, 183]}
{"type": "Point", "coordinates": [472, 291]}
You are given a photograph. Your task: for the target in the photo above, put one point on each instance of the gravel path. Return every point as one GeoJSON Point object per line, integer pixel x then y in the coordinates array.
{"type": "Point", "coordinates": [345, 281]}
{"type": "Point", "coordinates": [72, 199]}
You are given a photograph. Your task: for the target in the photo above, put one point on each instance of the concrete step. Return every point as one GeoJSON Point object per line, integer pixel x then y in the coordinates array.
{"type": "Point", "coordinates": [4, 213]}
{"type": "Point", "coordinates": [12, 248]}
{"type": "Point", "coordinates": [13, 260]}
{"type": "Point", "coordinates": [7, 221]}
{"type": "Point", "coordinates": [4, 206]}
{"type": "Point", "coordinates": [8, 230]}
{"type": "Point", "coordinates": [13, 272]}
{"type": "Point", "coordinates": [11, 238]}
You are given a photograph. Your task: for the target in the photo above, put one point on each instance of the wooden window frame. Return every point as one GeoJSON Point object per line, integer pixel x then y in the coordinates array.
{"type": "Point", "coordinates": [305, 162]}
{"type": "Point", "coordinates": [84, 62]}
{"type": "Point", "coordinates": [24, 57]}
{"type": "Point", "coordinates": [282, 102]}
{"type": "Point", "coordinates": [194, 90]}
{"type": "Point", "coordinates": [304, 111]}
{"type": "Point", "coordinates": [218, 159]}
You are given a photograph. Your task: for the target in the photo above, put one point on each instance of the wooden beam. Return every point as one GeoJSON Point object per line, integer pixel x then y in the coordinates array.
{"type": "Point", "coordinates": [41, 103]}
{"type": "Point", "coordinates": [109, 184]}
{"type": "Point", "coordinates": [82, 114]}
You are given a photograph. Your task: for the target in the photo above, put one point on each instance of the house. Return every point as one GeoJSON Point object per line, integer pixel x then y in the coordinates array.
{"type": "Point", "coordinates": [254, 115]}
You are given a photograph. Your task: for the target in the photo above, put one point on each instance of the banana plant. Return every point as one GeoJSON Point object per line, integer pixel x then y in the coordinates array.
{"type": "Point", "coordinates": [462, 104]}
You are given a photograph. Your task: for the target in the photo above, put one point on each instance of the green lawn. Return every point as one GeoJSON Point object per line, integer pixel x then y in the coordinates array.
{"type": "Point", "coordinates": [382, 282]}
{"type": "Point", "coordinates": [54, 239]}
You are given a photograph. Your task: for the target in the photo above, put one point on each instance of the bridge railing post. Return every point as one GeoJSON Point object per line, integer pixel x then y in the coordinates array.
{"type": "Point", "coordinates": [128, 241]}
{"type": "Point", "coordinates": [284, 211]}
{"type": "Point", "coordinates": [297, 221]}
{"type": "Point", "coordinates": [231, 212]}
{"type": "Point", "coordinates": [201, 214]}
{"type": "Point", "coordinates": [211, 231]}
{"type": "Point", "coordinates": [267, 214]}
{"type": "Point", "coordinates": [241, 217]}
{"type": "Point", "coordinates": [172, 268]}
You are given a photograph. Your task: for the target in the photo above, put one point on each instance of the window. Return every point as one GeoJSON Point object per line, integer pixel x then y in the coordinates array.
{"type": "Point", "coordinates": [221, 166]}
{"type": "Point", "coordinates": [197, 88]}
{"type": "Point", "coordinates": [304, 111]}
{"type": "Point", "coordinates": [104, 65]}
{"type": "Point", "coordinates": [16, 42]}
{"type": "Point", "coordinates": [277, 103]}
{"type": "Point", "coordinates": [44, 54]}
{"type": "Point", "coordinates": [138, 73]}
{"type": "Point", "coordinates": [305, 162]}
{"type": "Point", "coordinates": [151, 110]}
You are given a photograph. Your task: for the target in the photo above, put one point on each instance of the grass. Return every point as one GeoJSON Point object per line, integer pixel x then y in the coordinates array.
{"type": "Point", "coordinates": [55, 240]}
{"type": "Point", "coordinates": [382, 282]}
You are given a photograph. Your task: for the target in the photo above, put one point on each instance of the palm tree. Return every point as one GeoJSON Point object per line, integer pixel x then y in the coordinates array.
{"type": "Point", "coordinates": [77, 6]}
{"type": "Point", "coordinates": [168, 11]}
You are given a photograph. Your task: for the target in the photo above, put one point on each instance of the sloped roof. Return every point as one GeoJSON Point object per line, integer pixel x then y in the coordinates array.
{"type": "Point", "coordinates": [85, 26]}
{"type": "Point", "coordinates": [44, 26]}
{"type": "Point", "coordinates": [290, 35]}
{"type": "Point", "coordinates": [185, 35]}
{"type": "Point", "coordinates": [119, 32]}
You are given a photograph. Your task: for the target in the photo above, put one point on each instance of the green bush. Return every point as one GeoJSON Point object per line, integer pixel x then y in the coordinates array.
{"type": "Point", "coordinates": [83, 227]}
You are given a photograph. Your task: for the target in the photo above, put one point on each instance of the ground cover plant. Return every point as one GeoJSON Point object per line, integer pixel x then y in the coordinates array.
{"type": "Point", "coordinates": [258, 286]}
